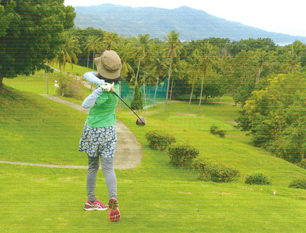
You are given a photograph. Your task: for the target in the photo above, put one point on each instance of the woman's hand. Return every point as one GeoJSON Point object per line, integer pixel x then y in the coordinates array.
{"type": "Point", "coordinates": [108, 87]}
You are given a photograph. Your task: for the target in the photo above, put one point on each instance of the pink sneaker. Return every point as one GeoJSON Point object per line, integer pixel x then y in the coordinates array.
{"type": "Point", "coordinates": [114, 214]}
{"type": "Point", "coordinates": [96, 205]}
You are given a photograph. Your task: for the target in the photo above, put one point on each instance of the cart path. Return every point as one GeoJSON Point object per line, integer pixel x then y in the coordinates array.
{"type": "Point", "coordinates": [128, 151]}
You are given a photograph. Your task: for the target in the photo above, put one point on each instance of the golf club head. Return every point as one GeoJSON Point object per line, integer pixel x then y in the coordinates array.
{"type": "Point", "coordinates": [141, 121]}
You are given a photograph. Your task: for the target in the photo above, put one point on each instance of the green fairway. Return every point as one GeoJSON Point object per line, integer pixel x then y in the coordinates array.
{"type": "Point", "coordinates": [155, 196]}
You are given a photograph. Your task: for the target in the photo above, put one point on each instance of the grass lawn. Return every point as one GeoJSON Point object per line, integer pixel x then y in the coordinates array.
{"type": "Point", "coordinates": [154, 197]}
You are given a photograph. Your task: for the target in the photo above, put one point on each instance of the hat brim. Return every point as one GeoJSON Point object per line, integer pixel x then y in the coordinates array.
{"type": "Point", "coordinates": [104, 72]}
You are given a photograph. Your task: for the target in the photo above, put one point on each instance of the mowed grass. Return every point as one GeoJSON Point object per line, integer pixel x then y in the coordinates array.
{"type": "Point", "coordinates": [154, 197]}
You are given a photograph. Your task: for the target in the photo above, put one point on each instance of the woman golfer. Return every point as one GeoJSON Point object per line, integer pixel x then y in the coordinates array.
{"type": "Point", "coordinates": [99, 136]}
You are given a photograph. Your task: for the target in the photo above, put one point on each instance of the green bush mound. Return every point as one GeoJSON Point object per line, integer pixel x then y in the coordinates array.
{"type": "Point", "coordinates": [215, 172]}
{"type": "Point", "coordinates": [298, 184]}
{"type": "Point", "coordinates": [216, 131]}
{"type": "Point", "coordinates": [159, 140]}
{"type": "Point", "coordinates": [258, 178]}
{"type": "Point", "coordinates": [182, 155]}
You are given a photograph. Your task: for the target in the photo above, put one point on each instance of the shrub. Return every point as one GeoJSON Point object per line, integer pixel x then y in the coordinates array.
{"type": "Point", "coordinates": [182, 155]}
{"type": "Point", "coordinates": [298, 184]}
{"type": "Point", "coordinates": [258, 178]}
{"type": "Point", "coordinates": [215, 172]}
{"type": "Point", "coordinates": [159, 140]}
{"type": "Point", "coordinates": [69, 87]}
{"type": "Point", "coordinates": [203, 168]}
{"type": "Point", "coordinates": [215, 130]}
{"type": "Point", "coordinates": [223, 173]}
{"type": "Point", "coordinates": [302, 164]}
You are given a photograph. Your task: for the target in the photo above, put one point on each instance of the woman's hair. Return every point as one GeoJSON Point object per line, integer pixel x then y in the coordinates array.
{"type": "Point", "coordinates": [116, 80]}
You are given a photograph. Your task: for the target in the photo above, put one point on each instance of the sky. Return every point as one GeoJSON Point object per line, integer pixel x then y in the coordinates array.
{"type": "Point", "coordinates": [283, 16]}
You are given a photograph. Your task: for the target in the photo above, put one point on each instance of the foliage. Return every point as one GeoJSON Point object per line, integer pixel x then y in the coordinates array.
{"type": "Point", "coordinates": [202, 166]}
{"type": "Point", "coordinates": [275, 118]}
{"type": "Point", "coordinates": [298, 184]}
{"type": "Point", "coordinates": [159, 140]}
{"type": "Point", "coordinates": [30, 34]}
{"type": "Point", "coordinates": [137, 103]}
{"type": "Point", "coordinates": [182, 155]}
{"type": "Point", "coordinates": [69, 87]}
{"type": "Point", "coordinates": [258, 178]}
{"type": "Point", "coordinates": [302, 164]}
{"type": "Point", "coordinates": [223, 173]}
{"type": "Point", "coordinates": [215, 130]}
{"type": "Point", "coordinates": [215, 172]}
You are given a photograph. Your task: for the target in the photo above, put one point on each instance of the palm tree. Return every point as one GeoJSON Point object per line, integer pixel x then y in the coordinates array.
{"type": "Point", "coordinates": [206, 61]}
{"type": "Point", "coordinates": [195, 63]}
{"type": "Point", "coordinates": [125, 52]}
{"type": "Point", "coordinates": [143, 46]}
{"type": "Point", "coordinates": [263, 59]}
{"type": "Point", "coordinates": [68, 52]}
{"type": "Point", "coordinates": [158, 65]}
{"type": "Point", "coordinates": [110, 40]}
{"type": "Point", "coordinates": [173, 48]}
{"type": "Point", "coordinates": [93, 44]}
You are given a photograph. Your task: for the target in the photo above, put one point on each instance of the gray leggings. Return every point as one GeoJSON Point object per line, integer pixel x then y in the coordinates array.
{"type": "Point", "coordinates": [109, 175]}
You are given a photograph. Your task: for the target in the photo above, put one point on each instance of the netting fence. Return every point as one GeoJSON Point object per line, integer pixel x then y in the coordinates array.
{"type": "Point", "coordinates": [151, 95]}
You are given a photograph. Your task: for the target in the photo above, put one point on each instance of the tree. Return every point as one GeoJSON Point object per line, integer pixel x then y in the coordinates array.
{"type": "Point", "coordinates": [206, 61]}
{"type": "Point", "coordinates": [68, 52]}
{"type": "Point", "coordinates": [110, 40]}
{"type": "Point", "coordinates": [173, 48]}
{"type": "Point", "coordinates": [194, 63]}
{"type": "Point", "coordinates": [274, 116]}
{"type": "Point", "coordinates": [30, 34]}
{"type": "Point", "coordinates": [93, 44]}
{"type": "Point", "coordinates": [143, 45]}
{"type": "Point", "coordinates": [136, 103]}
{"type": "Point", "coordinates": [158, 65]}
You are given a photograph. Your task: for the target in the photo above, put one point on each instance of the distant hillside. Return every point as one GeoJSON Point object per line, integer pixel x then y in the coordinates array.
{"type": "Point", "coordinates": [191, 23]}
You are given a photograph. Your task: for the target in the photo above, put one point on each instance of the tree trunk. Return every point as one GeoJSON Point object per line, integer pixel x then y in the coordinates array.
{"type": "Point", "coordinates": [201, 91]}
{"type": "Point", "coordinates": [258, 76]}
{"type": "Point", "coordinates": [93, 60]}
{"type": "Point", "coordinates": [138, 70]}
{"type": "Point", "coordinates": [157, 79]}
{"type": "Point", "coordinates": [171, 90]}
{"type": "Point", "coordinates": [1, 82]}
{"type": "Point", "coordinates": [169, 74]}
{"type": "Point", "coordinates": [88, 60]}
{"type": "Point", "coordinates": [193, 81]}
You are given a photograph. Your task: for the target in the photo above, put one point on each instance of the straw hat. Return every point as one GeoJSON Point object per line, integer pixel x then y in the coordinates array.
{"type": "Point", "coordinates": [109, 64]}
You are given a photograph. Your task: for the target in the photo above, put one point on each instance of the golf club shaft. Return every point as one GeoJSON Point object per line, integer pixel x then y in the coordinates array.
{"type": "Point", "coordinates": [127, 105]}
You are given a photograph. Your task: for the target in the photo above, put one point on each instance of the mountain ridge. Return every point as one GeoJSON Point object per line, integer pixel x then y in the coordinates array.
{"type": "Point", "coordinates": [193, 24]}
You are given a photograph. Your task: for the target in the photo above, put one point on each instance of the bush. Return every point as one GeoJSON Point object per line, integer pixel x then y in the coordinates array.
{"type": "Point", "coordinates": [302, 164]}
{"type": "Point", "coordinates": [69, 87]}
{"type": "Point", "coordinates": [298, 184]}
{"type": "Point", "coordinates": [215, 172]}
{"type": "Point", "coordinates": [182, 155]}
{"type": "Point", "coordinates": [203, 168]}
{"type": "Point", "coordinates": [215, 130]}
{"type": "Point", "coordinates": [159, 140]}
{"type": "Point", "coordinates": [223, 173]}
{"type": "Point", "coordinates": [258, 178]}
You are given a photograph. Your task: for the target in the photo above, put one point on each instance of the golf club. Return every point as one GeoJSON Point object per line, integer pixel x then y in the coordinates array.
{"type": "Point", "coordinates": [142, 121]}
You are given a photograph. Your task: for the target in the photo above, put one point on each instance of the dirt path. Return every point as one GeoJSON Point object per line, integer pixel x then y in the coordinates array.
{"type": "Point", "coordinates": [128, 152]}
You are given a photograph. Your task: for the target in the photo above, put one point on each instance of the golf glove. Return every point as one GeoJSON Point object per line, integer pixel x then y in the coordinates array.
{"type": "Point", "coordinates": [107, 87]}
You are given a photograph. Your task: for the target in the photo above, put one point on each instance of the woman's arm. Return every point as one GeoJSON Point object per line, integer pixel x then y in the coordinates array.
{"type": "Point", "coordinates": [92, 78]}
{"type": "Point", "coordinates": [89, 102]}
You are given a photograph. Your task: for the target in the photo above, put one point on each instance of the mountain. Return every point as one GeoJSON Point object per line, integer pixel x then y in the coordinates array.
{"type": "Point", "coordinates": [191, 23]}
